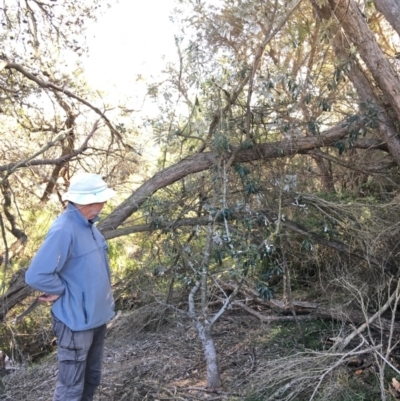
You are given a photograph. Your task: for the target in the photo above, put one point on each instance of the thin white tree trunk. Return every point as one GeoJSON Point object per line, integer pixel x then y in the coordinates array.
{"type": "Point", "coordinates": [203, 322]}
{"type": "Point", "coordinates": [210, 354]}
{"type": "Point", "coordinates": [204, 328]}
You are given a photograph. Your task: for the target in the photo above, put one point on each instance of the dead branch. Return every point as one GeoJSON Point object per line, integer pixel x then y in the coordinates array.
{"type": "Point", "coordinates": [10, 168]}
{"type": "Point", "coordinates": [371, 319]}
{"type": "Point", "coordinates": [309, 310]}
{"type": "Point", "coordinates": [16, 293]}
{"type": "Point", "coordinates": [59, 161]}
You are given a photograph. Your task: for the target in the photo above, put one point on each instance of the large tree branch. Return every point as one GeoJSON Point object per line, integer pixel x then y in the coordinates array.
{"type": "Point", "coordinates": [365, 88]}
{"type": "Point", "coordinates": [354, 24]}
{"type": "Point", "coordinates": [203, 161]}
{"type": "Point", "coordinates": [391, 10]}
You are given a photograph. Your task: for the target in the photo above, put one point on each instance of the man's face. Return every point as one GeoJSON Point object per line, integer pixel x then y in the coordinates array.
{"type": "Point", "coordinates": [92, 210]}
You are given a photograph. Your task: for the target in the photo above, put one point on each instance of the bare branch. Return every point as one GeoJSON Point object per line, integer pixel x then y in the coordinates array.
{"type": "Point", "coordinates": [369, 169]}
{"type": "Point", "coordinates": [59, 160]}
{"type": "Point", "coordinates": [379, 313]}
{"type": "Point", "coordinates": [55, 88]}
{"type": "Point", "coordinates": [11, 168]}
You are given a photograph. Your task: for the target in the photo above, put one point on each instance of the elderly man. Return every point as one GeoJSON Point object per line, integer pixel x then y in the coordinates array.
{"type": "Point", "coordinates": [71, 268]}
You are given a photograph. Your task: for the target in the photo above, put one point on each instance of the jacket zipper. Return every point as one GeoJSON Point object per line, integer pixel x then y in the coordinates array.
{"type": "Point", "coordinates": [101, 251]}
{"type": "Point", "coordinates": [84, 308]}
{"type": "Point", "coordinates": [91, 230]}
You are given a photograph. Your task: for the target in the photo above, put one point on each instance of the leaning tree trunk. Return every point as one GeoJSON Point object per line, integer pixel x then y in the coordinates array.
{"type": "Point", "coordinates": [391, 11]}
{"type": "Point", "coordinates": [15, 294]}
{"type": "Point", "coordinates": [358, 31]}
{"type": "Point", "coordinates": [386, 129]}
{"type": "Point", "coordinates": [204, 161]}
{"type": "Point", "coordinates": [363, 86]}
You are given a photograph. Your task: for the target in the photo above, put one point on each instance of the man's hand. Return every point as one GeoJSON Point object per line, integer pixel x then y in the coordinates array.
{"type": "Point", "coordinates": [39, 300]}
{"type": "Point", "coordinates": [48, 298]}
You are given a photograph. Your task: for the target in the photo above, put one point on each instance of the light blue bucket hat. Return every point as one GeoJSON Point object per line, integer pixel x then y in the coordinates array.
{"type": "Point", "coordinates": [87, 188]}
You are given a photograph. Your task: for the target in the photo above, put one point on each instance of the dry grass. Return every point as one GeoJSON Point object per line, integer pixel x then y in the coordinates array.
{"type": "Point", "coordinates": [146, 360]}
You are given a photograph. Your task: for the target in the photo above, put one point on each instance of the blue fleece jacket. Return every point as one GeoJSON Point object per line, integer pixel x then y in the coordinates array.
{"type": "Point", "coordinates": [72, 262]}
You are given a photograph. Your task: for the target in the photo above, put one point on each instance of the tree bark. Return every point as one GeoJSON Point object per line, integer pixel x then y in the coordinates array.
{"type": "Point", "coordinates": [204, 328]}
{"type": "Point", "coordinates": [357, 30]}
{"type": "Point", "coordinates": [210, 353]}
{"type": "Point", "coordinates": [364, 87]}
{"type": "Point", "coordinates": [16, 293]}
{"type": "Point", "coordinates": [391, 11]}
{"type": "Point", "coordinates": [203, 161]}
{"type": "Point", "coordinates": [325, 170]}
{"type": "Point", "coordinates": [204, 323]}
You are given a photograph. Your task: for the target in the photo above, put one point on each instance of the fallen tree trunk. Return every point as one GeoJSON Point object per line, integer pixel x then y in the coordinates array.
{"type": "Point", "coordinates": [15, 294]}
{"type": "Point", "coordinates": [352, 317]}
{"type": "Point", "coordinates": [310, 310]}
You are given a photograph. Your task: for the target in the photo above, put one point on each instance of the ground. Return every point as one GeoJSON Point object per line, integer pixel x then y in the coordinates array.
{"type": "Point", "coordinates": [145, 362]}
{"type": "Point", "coordinates": [152, 354]}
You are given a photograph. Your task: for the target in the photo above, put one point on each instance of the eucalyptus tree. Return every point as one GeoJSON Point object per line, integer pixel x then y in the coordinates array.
{"type": "Point", "coordinates": [52, 123]}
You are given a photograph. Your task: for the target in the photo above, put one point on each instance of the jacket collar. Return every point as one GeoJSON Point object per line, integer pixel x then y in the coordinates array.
{"type": "Point", "coordinates": [71, 208]}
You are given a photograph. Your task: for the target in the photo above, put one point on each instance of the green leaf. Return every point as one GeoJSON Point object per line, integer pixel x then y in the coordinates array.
{"type": "Point", "coordinates": [251, 188]}
{"type": "Point", "coordinates": [340, 146]}
{"type": "Point", "coordinates": [221, 143]}
{"type": "Point", "coordinates": [247, 144]}
{"type": "Point", "coordinates": [313, 127]}
{"type": "Point", "coordinates": [225, 214]}
{"type": "Point", "coordinates": [265, 292]}
{"type": "Point", "coordinates": [241, 170]}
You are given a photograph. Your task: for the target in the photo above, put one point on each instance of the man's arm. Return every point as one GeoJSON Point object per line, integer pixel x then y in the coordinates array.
{"type": "Point", "coordinates": [51, 257]}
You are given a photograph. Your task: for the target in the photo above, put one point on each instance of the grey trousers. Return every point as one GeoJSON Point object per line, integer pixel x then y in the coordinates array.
{"type": "Point", "coordinates": [80, 361]}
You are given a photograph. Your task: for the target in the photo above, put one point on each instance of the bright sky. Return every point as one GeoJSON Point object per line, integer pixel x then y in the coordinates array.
{"type": "Point", "coordinates": [133, 37]}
